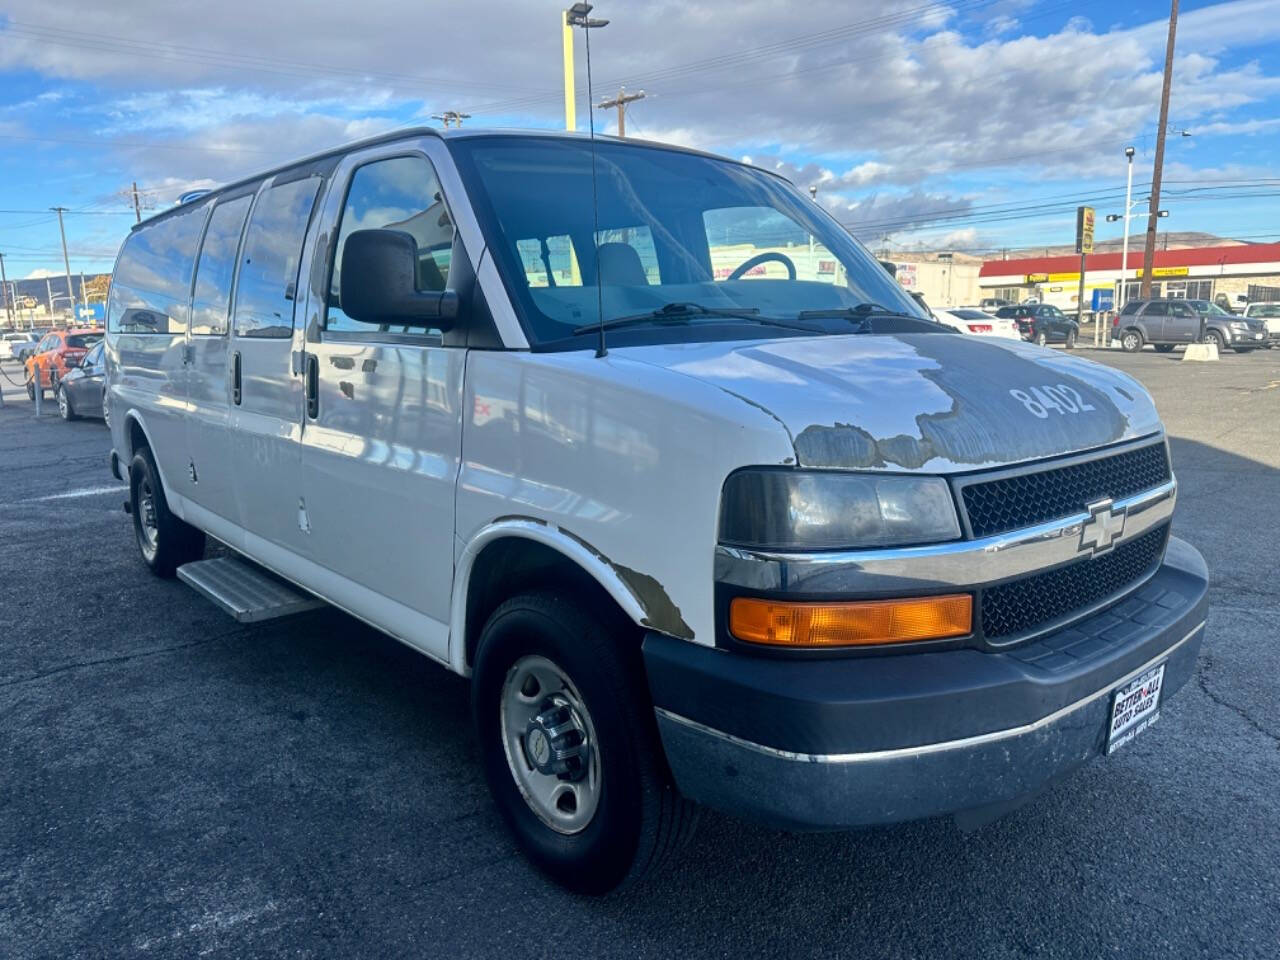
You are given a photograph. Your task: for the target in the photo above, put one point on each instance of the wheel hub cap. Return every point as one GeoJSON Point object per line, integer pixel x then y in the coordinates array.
{"type": "Point", "coordinates": [550, 744]}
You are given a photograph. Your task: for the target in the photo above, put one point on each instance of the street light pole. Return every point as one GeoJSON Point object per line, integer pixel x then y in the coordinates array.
{"type": "Point", "coordinates": [570, 104]}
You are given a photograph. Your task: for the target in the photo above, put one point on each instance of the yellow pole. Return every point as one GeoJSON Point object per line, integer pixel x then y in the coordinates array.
{"type": "Point", "coordinates": [570, 108]}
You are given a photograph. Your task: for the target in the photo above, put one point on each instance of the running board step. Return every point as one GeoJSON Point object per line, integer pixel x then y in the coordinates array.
{"type": "Point", "coordinates": [244, 590]}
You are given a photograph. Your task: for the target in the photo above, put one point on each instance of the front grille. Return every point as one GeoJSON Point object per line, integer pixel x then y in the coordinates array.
{"type": "Point", "coordinates": [1021, 606]}
{"type": "Point", "coordinates": [1025, 499]}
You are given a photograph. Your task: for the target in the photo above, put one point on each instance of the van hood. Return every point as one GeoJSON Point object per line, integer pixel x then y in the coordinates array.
{"type": "Point", "coordinates": [933, 403]}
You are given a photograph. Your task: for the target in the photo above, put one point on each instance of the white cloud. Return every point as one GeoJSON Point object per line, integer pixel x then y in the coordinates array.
{"type": "Point", "coordinates": [41, 274]}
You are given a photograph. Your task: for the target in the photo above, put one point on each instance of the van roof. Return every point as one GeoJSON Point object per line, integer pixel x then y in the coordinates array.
{"type": "Point", "coordinates": [409, 133]}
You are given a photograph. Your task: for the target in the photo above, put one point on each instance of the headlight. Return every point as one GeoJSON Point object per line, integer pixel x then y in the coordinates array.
{"type": "Point", "coordinates": [798, 510]}
{"type": "Point", "coordinates": [1238, 325]}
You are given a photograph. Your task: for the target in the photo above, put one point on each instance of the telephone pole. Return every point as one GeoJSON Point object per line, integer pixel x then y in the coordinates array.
{"type": "Point", "coordinates": [1149, 252]}
{"type": "Point", "coordinates": [137, 204]}
{"type": "Point", "coordinates": [4, 286]}
{"type": "Point", "coordinates": [621, 101]}
{"type": "Point", "coordinates": [66, 263]}
{"type": "Point", "coordinates": [451, 116]}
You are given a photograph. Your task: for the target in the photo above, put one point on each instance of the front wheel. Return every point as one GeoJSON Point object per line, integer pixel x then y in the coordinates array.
{"type": "Point", "coordinates": [65, 410]}
{"type": "Point", "coordinates": [165, 541]}
{"type": "Point", "coordinates": [1217, 339]}
{"type": "Point", "coordinates": [570, 747]}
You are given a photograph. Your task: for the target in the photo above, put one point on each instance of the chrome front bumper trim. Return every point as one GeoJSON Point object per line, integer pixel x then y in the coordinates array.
{"type": "Point", "coordinates": [964, 564]}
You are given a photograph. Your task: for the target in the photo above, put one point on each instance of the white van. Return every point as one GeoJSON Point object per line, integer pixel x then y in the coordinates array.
{"type": "Point", "coordinates": [705, 507]}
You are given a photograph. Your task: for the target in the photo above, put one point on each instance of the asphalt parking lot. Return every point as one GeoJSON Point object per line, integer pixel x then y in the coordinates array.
{"type": "Point", "coordinates": [174, 784]}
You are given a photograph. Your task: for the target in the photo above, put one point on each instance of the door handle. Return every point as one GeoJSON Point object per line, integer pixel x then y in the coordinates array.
{"type": "Point", "coordinates": [235, 378]}
{"type": "Point", "coordinates": [313, 386]}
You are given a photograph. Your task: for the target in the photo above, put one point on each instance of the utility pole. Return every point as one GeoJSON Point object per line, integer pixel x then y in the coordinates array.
{"type": "Point", "coordinates": [621, 101]}
{"type": "Point", "coordinates": [66, 263]}
{"type": "Point", "coordinates": [451, 116]}
{"type": "Point", "coordinates": [4, 286]}
{"type": "Point", "coordinates": [1149, 253]}
{"type": "Point", "coordinates": [137, 204]}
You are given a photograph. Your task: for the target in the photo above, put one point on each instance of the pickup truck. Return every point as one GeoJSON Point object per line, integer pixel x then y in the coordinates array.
{"type": "Point", "coordinates": [647, 446]}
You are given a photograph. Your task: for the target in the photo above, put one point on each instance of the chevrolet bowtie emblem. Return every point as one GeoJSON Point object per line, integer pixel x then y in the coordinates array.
{"type": "Point", "coordinates": [1104, 526]}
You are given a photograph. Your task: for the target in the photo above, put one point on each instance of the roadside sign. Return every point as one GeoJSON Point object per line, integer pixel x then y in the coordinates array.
{"type": "Point", "coordinates": [1084, 229]}
{"type": "Point", "coordinates": [1103, 300]}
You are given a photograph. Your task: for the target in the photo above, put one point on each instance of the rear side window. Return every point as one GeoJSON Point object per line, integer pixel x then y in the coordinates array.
{"type": "Point", "coordinates": [1131, 308]}
{"type": "Point", "coordinates": [268, 278]}
{"type": "Point", "coordinates": [401, 193]}
{"type": "Point", "coordinates": [152, 279]}
{"type": "Point", "coordinates": [1006, 312]}
{"type": "Point", "coordinates": [216, 268]}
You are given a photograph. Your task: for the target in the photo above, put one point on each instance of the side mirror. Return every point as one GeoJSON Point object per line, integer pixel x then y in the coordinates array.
{"type": "Point", "coordinates": [379, 283]}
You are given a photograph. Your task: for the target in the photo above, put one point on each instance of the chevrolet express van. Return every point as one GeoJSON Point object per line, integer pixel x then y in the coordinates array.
{"type": "Point", "coordinates": [704, 505]}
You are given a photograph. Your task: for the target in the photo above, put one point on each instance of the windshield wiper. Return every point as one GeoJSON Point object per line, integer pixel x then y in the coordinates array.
{"type": "Point", "coordinates": [863, 311]}
{"type": "Point", "coordinates": [685, 312]}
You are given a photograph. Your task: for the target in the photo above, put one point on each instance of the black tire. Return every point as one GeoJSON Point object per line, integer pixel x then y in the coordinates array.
{"type": "Point", "coordinates": [1131, 340]}
{"type": "Point", "coordinates": [165, 541]}
{"type": "Point", "coordinates": [1071, 339]}
{"type": "Point", "coordinates": [65, 409]}
{"type": "Point", "coordinates": [1217, 339]}
{"type": "Point", "coordinates": [31, 390]}
{"type": "Point", "coordinates": [639, 819]}
{"type": "Point", "coordinates": [1164, 347]}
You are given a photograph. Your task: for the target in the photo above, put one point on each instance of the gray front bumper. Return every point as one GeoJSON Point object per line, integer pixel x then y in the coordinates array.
{"type": "Point", "coordinates": [991, 769]}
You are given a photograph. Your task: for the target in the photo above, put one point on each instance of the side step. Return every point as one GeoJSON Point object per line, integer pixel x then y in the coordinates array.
{"type": "Point", "coordinates": [244, 590]}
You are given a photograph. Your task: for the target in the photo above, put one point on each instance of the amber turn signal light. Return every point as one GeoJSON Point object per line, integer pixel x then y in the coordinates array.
{"type": "Point", "coordinates": [863, 623]}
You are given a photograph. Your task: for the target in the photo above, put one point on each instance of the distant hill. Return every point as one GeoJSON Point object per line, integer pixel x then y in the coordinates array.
{"type": "Point", "coordinates": [39, 290]}
{"type": "Point", "coordinates": [1173, 240]}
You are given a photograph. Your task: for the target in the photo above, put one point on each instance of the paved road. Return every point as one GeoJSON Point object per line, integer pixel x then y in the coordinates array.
{"type": "Point", "coordinates": [172, 784]}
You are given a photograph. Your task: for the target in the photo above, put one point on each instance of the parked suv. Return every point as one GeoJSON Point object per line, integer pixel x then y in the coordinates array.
{"type": "Point", "coordinates": [699, 499]}
{"type": "Point", "coordinates": [56, 353]}
{"type": "Point", "coordinates": [1042, 323]}
{"type": "Point", "coordinates": [1165, 323]}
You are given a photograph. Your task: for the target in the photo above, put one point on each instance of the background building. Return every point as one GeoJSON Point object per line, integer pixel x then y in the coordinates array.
{"type": "Point", "coordinates": [1240, 272]}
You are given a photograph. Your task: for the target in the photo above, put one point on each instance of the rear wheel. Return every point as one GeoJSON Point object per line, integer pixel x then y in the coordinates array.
{"type": "Point", "coordinates": [569, 745]}
{"type": "Point", "coordinates": [1071, 339]}
{"type": "Point", "coordinates": [1042, 338]}
{"type": "Point", "coordinates": [1131, 341]}
{"type": "Point", "coordinates": [165, 541]}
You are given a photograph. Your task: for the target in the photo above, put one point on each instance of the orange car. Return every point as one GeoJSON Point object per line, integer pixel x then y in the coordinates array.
{"type": "Point", "coordinates": [56, 353]}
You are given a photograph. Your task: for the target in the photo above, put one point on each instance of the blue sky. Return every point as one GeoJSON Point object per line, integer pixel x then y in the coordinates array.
{"type": "Point", "coordinates": [971, 125]}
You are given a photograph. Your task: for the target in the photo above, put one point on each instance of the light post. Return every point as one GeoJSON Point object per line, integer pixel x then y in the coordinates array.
{"type": "Point", "coordinates": [577, 15]}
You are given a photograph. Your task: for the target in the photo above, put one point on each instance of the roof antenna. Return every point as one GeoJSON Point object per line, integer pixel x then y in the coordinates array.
{"type": "Point", "coordinates": [577, 16]}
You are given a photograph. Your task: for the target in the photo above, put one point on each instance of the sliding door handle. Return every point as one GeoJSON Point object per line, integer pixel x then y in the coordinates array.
{"type": "Point", "coordinates": [235, 378]}
{"type": "Point", "coordinates": [313, 386]}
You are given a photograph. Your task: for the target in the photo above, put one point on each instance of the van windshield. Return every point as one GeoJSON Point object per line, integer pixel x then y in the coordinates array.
{"type": "Point", "coordinates": [688, 247]}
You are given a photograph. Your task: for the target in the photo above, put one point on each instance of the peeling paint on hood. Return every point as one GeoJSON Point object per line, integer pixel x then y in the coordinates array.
{"type": "Point", "coordinates": [920, 402]}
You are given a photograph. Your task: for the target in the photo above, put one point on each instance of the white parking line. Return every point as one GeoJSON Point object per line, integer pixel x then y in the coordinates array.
{"type": "Point", "coordinates": [73, 494]}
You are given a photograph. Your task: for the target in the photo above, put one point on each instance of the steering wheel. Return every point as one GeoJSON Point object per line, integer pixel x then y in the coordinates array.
{"type": "Point", "coordinates": [765, 257]}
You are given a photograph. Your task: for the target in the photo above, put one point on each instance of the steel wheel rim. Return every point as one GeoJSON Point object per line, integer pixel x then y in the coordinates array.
{"type": "Point", "coordinates": [147, 517]}
{"type": "Point", "coordinates": [533, 687]}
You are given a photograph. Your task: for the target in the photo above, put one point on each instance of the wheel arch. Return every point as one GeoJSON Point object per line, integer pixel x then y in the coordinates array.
{"type": "Point", "coordinates": [517, 553]}
{"type": "Point", "coordinates": [137, 436]}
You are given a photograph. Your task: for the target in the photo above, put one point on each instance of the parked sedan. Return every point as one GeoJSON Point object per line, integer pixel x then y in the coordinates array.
{"type": "Point", "coordinates": [79, 393]}
{"type": "Point", "coordinates": [969, 320]}
{"type": "Point", "coordinates": [1268, 313]}
{"type": "Point", "coordinates": [1042, 323]}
